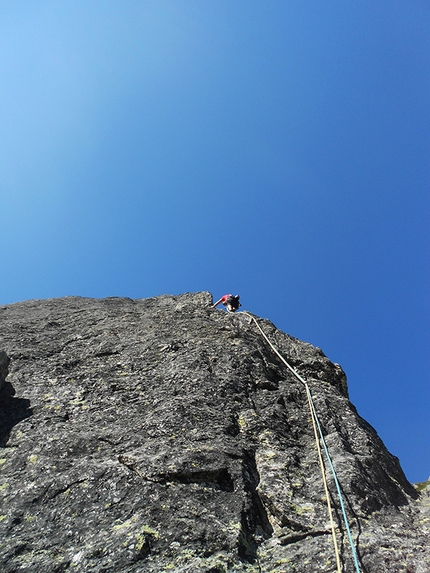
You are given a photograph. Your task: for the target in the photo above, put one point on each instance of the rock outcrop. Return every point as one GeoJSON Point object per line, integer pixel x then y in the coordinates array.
{"type": "Point", "coordinates": [160, 435]}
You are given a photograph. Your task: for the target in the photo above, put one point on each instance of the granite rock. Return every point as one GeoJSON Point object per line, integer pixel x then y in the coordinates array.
{"type": "Point", "coordinates": [161, 435]}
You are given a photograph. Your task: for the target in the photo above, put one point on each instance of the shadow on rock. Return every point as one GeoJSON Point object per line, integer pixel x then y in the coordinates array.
{"type": "Point", "coordinates": [12, 411]}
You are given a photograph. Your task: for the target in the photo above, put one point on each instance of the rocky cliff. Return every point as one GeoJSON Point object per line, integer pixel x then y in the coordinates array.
{"type": "Point", "coordinates": [160, 435]}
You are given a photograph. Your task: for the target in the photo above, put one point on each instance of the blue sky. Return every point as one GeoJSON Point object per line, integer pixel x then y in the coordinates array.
{"type": "Point", "coordinates": [275, 149]}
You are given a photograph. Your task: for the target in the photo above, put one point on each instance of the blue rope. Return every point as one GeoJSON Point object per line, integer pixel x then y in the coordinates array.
{"type": "Point", "coordinates": [339, 493]}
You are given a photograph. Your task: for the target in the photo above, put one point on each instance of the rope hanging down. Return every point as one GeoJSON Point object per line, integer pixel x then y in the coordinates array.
{"type": "Point", "coordinates": [318, 432]}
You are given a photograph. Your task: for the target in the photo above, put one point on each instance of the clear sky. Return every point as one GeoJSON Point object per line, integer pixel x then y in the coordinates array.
{"type": "Point", "coordinates": [276, 149]}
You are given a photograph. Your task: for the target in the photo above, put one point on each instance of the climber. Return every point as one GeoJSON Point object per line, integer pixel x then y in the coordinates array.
{"type": "Point", "coordinates": [229, 301]}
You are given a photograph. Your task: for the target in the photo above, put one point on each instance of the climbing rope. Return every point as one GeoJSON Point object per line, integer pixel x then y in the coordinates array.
{"type": "Point", "coordinates": [318, 432]}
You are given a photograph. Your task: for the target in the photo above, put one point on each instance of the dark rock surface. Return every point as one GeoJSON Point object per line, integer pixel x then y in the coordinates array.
{"type": "Point", "coordinates": [4, 364]}
{"type": "Point", "coordinates": [160, 435]}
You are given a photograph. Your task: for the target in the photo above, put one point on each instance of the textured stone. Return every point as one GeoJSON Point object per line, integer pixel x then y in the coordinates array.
{"type": "Point", "coordinates": [4, 364]}
{"type": "Point", "coordinates": [161, 435]}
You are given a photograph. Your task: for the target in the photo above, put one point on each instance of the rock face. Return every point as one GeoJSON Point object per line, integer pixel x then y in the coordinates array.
{"type": "Point", "coordinates": [160, 435]}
